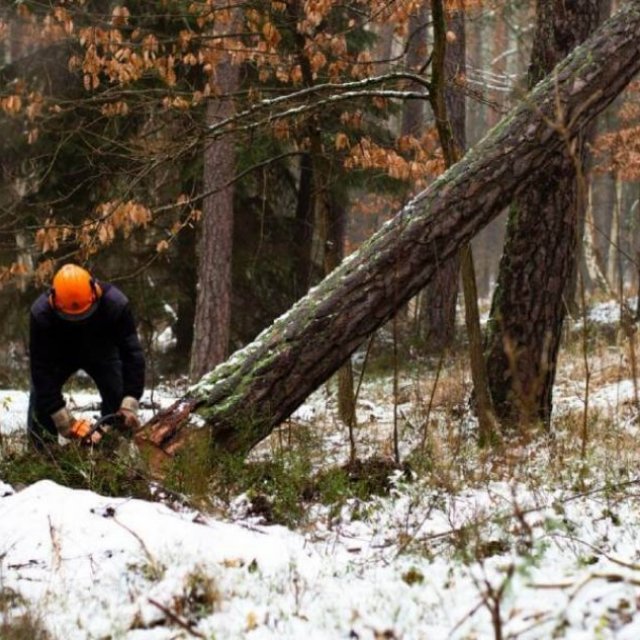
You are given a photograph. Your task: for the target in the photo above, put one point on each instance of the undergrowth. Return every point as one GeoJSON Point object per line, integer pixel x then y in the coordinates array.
{"type": "Point", "coordinates": [280, 487]}
{"type": "Point", "coordinates": [16, 621]}
{"type": "Point", "coordinates": [75, 466]}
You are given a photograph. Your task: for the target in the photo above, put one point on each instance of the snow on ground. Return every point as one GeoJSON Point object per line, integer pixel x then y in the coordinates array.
{"type": "Point", "coordinates": [539, 559]}
{"type": "Point", "coordinates": [96, 567]}
{"type": "Point", "coordinates": [608, 312]}
{"type": "Point", "coordinates": [13, 411]}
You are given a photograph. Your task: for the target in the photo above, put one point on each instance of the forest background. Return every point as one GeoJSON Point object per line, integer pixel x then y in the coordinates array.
{"type": "Point", "coordinates": [226, 165]}
{"type": "Point", "coordinates": [217, 160]}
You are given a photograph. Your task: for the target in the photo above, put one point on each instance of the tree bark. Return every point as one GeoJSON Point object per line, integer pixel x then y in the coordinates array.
{"type": "Point", "coordinates": [416, 57]}
{"type": "Point", "coordinates": [186, 276]}
{"type": "Point", "coordinates": [307, 204]}
{"type": "Point", "coordinates": [529, 305]}
{"type": "Point", "coordinates": [335, 225]}
{"type": "Point", "coordinates": [304, 226]}
{"type": "Point", "coordinates": [242, 400]}
{"type": "Point", "coordinates": [613, 254]}
{"type": "Point", "coordinates": [439, 298]}
{"type": "Point", "coordinates": [592, 274]}
{"type": "Point", "coordinates": [213, 300]}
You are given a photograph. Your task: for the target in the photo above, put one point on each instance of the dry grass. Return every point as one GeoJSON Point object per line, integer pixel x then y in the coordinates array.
{"type": "Point", "coordinates": [18, 622]}
{"type": "Point", "coordinates": [439, 437]}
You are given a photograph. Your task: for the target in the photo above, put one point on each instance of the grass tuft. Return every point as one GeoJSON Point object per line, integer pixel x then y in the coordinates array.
{"type": "Point", "coordinates": [77, 467]}
{"type": "Point", "coordinates": [16, 621]}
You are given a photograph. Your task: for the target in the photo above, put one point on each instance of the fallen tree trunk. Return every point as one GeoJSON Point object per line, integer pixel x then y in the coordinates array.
{"type": "Point", "coordinates": [242, 400]}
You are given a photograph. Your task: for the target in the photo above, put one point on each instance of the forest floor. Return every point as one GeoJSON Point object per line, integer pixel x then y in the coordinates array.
{"type": "Point", "coordinates": [403, 529]}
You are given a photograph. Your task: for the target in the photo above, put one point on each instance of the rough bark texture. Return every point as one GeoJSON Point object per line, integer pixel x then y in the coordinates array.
{"type": "Point", "coordinates": [439, 297]}
{"type": "Point", "coordinates": [213, 301]}
{"type": "Point", "coordinates": [241, 401]}
{"type": "Point", "coordinates": [529, 306]}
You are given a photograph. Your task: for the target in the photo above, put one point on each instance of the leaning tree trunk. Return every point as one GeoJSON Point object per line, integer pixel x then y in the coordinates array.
{"type": "Point", "coordinates": [529, 304]}
{"type": "Point", "coordinates": [241, 401]}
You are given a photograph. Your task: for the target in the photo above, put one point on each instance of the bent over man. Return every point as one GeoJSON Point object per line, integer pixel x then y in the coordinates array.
{"type": "Point", "coordinates": [81, 323]}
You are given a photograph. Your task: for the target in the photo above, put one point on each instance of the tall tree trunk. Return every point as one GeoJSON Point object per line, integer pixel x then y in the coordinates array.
{"type": "Point", "coordinates": [307, 204]}
{"type": "Point", "coordinates": [593, 276]}
{"type": "Point", "coordinates": [614, 275]}
{"type": "Point", "coordinates": [439, 298]}
{"type": "Point", "coordinates": [384, 46]}
{"type": "Point", "coordinates": [416, 58]}
{"type": "Point", "coordinates": [480, 117]}
{"type": "Point", "coordinates": [413, 111]}
{"type": "Point", "coordinates": [186, 275]}
{"type": "Point", "coordinates": [213, 301]}
{"type": "Point", "coordinates": [498, 67]}
{"type": "Point", "coordinates": [583, 265]}
{"type": "Point", "coordinates": [446, 120]}
{"type": "Point", "coordinates": [242, 400]}
{"type": "Point", "coordinates": [304, 226]}
{"type": "Point", "coordinates": [528, 306]}
{"type": "Point", "coordinates": [335, 225]}
{"type": "Point", "coordinates": [603, 199]}
{"type": "Point", "coordinates": [331, 221]}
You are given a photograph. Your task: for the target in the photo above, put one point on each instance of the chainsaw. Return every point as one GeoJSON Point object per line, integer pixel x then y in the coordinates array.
{"type": "Point", "coordinates": [107, 425]}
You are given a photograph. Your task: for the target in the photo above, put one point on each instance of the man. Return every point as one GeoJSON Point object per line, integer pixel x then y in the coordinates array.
{"type": "Point", "coordinates": [82, 324]}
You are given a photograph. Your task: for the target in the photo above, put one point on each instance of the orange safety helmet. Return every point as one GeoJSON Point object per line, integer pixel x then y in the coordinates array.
{"type": "Point", "coordinates": [74, 294]}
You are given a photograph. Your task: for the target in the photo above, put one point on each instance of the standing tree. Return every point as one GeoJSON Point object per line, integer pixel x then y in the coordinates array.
{"type": "Point", "coordinates": [438, 312]}
{"type": "Point", "coordinates": [213, 301]}
{"type": "Point", "coordinates": [617, 155]}
{"type": "Point", "coordinates": [528, 306]}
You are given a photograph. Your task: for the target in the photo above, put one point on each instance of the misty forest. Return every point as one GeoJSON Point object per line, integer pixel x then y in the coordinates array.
{"type": "Point", "coordinates": [383, 258]}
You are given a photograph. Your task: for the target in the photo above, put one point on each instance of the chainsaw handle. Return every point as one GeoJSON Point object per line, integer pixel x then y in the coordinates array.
{"type": "Point", "coordinates": [108, 420]}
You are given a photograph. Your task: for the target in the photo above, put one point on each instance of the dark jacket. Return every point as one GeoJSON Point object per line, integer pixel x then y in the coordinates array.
{"type": "Point", "coordinates": [108, 334]}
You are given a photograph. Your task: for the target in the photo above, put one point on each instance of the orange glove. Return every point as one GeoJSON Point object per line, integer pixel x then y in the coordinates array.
{"type": "Point", "coordinates": [128, 411]}
{"type": "Point", "coordinates": [73, 428]}
{"type": "Point", "coordinates": [79, 429]}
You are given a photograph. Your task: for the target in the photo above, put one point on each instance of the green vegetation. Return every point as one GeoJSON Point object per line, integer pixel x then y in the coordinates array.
{"type": "Point", "coordinates": [103, 471]}
{"type": "Point", "coordinates": [281, 486]}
